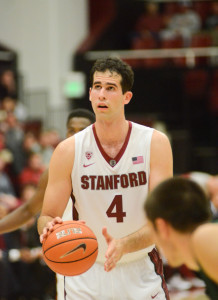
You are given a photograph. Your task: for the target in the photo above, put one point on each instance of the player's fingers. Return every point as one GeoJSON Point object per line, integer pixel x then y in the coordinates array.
{"type": "Point", "coordinates": [42, 238]}
{"type": "Point", "coordinates": [56, 220]}
{"type": "Point", "coordinates": [45, 231]}
{"type": "Point", "coordinates": [50, 225]}
{"type": "Point", "coordinates": [109, 265]}
{"type": "Point", "coordinates": [110, 252]}
{"type": "Point", "coordinates": [81, 222]}
{"type": "Point", "coordinates": [107, 237]}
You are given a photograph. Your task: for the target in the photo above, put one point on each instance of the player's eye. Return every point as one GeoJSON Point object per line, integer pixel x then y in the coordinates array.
{"type": "Point", "coordinates": [97, 86]}
{"type": "Point", "coordinates": [110, 88]}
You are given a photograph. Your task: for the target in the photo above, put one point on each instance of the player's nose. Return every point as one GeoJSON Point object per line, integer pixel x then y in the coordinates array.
{"type": "Point", "coordinates": [101, 94]}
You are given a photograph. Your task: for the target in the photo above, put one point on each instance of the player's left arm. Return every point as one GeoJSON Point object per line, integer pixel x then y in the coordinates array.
{"type": "Point", "coordinates": [161, 159]}
{"type": "Point", "coordinates": [205, 249]}
{"type": "Point", "coordinates": [161, 168]}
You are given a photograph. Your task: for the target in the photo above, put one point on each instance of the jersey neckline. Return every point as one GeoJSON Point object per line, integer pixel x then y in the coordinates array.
{"type": "Point", "coordinates": [112, 161]}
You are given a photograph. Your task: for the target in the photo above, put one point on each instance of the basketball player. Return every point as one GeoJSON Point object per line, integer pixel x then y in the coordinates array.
{"type": "Point", "coordinates": [179, 214]}
{"type": "Point", "coordinates": [77, 120]}
{"type": "Point", "coordinates": [111, 166]}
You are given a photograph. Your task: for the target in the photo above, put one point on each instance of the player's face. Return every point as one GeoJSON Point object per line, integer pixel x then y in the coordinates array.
{"type": "Point", "coordinates": [76, 124]}
{"type": "Point", "coordinates": [165, 241]}
{"type": "Point", "coordinates": [106, 94]}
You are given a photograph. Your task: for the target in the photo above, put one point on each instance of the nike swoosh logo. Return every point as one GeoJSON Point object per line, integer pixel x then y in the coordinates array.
{"type": "Point", "coordinates": [83, 246]}
{"type": "Point", "coordinates": [154, 296]}
{"type": "Point", "coordinates": [87, 165]}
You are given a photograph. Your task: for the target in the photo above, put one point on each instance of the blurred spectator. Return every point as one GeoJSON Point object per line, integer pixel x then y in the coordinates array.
{"type": "Point", "coordinates": [184, 23]}
{"type": "Point", "coordinates": [30, 143]}
{"type": "Point", "coordinates": [11, 105]}
{"type": "Point", "coordinates": [150, 21]}
{"type": "Point", "coordinates": [2, 140]}
{"type": "Point", "coordinates": [8, 200]}
{"type": "Point", "coordinates": [14, 135]}
{"type": "Point", "coordinates": [27, 192]}
{"type": "Point", "coordinates": [46, 147]}
{"type": "Point", "coordinates": [54, 137]}
{"type": "Point", "coordinates": [32, 172]}
{"type": "Point", "coordinates": [6, 186]}
{"type": "Point", "coordinates": [7, 84]}
{"type": "Point", "coordinates": [211, 25]}
{"type": "Point", "coordinates": [212, 20]}
{"type": "Point", "coordinates": [23, 264]}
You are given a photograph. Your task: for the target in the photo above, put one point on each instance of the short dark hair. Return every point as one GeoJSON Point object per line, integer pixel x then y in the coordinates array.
{"type": "Point", "coordinates": [179, 201]}
{"type": "Point", "coordinates": [81, 113]}
{"type": "Point", "coordinates": [114, 64]}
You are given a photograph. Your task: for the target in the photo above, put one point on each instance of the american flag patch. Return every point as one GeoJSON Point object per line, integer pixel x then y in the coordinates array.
{"type": "Point", "coordinates": [137, 160]}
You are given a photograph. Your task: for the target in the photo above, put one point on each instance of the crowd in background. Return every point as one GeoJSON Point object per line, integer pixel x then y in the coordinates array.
{"type": "Point", "coordinates": [178, 19]}
{"type": "Point", "coordinates": [24, 155]}
{"type": "Point", "coordinates": [178, 24]}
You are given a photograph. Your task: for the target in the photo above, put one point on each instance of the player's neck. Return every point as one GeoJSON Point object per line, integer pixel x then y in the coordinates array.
{"type": "Point", "coordinates": [185, 246]}
{"type": "Point", "coordinates": [111, 132]}
{"type": "Point", "coordinates": [112, 137]}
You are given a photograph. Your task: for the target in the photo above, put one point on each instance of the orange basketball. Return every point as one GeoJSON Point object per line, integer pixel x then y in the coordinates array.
{"type": "Point", "coordinates": [71, 249]}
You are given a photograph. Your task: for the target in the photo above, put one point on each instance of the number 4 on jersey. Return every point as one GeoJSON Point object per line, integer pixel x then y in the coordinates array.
{"type": "Point", "coordinates": [115, 210]}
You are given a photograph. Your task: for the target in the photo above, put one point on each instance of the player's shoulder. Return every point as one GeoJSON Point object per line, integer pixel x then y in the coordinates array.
{"type": "Point", "coordinates": [203, 237]}
{"type": "Point", "coordinates": [205, 247]}
{"type": "Point", "coordinates": [141, 130]}
{"type": "Point", "coordinates": [159, 137]}
{"type": "Point", "coordinates": [65, 146]}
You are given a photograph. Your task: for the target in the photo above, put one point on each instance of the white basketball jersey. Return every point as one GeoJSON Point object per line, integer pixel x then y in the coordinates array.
{"type": "Point", "coordinates": [111, 191]}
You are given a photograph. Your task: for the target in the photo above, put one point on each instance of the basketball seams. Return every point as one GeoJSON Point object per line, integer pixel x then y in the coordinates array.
{"type": "Point", "coordinates": [67, 262]}
{"type": "Point", "coordinates": [63, 242]}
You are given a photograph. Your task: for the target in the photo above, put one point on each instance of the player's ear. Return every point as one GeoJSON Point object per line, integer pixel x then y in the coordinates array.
{"type": "Point", "coordinates": [128, 97]}
{"type": "Point", "coordinates": [162, 227]}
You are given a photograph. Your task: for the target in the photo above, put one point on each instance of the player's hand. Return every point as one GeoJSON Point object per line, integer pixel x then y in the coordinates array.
{"type": "Point", "coordinates": [114, 251]}
{"type": "Point", "coordinates": [49, 227]}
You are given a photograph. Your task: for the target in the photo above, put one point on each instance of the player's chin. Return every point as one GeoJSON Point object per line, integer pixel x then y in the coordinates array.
{"type": "Point", "coordinates": [102, 111]}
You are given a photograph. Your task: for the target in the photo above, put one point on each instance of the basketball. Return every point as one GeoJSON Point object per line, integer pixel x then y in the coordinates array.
{"type": "Point", "coordinates": [71, 249]}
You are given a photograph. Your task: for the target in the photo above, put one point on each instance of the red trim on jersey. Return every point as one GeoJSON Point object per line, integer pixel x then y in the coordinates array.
{"type": "Point", "coordinates": [122, 150]}
{"type": "Point", "coordinates": [75, 215]}
{"type": "Point", "coordinates": [158, 266]}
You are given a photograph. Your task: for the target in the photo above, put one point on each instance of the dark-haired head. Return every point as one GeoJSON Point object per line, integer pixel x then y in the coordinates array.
{"type": "Point", "coordinates": [81, 113]}
{"type": "Point", "coordinates": [179, 201]}
{"type": "Point", "coordinates": [78, 119]}
{"type": "Point", "coordinates": [114, 65]}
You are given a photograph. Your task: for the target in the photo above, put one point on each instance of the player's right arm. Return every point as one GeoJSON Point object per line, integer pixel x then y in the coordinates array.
{"type": "Point", "coordinates": [59, 187]}
{"type": "Point", "coordinates": [26, 211]}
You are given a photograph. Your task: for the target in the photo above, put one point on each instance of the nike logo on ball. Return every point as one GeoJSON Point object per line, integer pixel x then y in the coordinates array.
{"type": "Point", "coordinates": [83, 246]}
{"type": "Point", "coordinates": [87, 165]}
